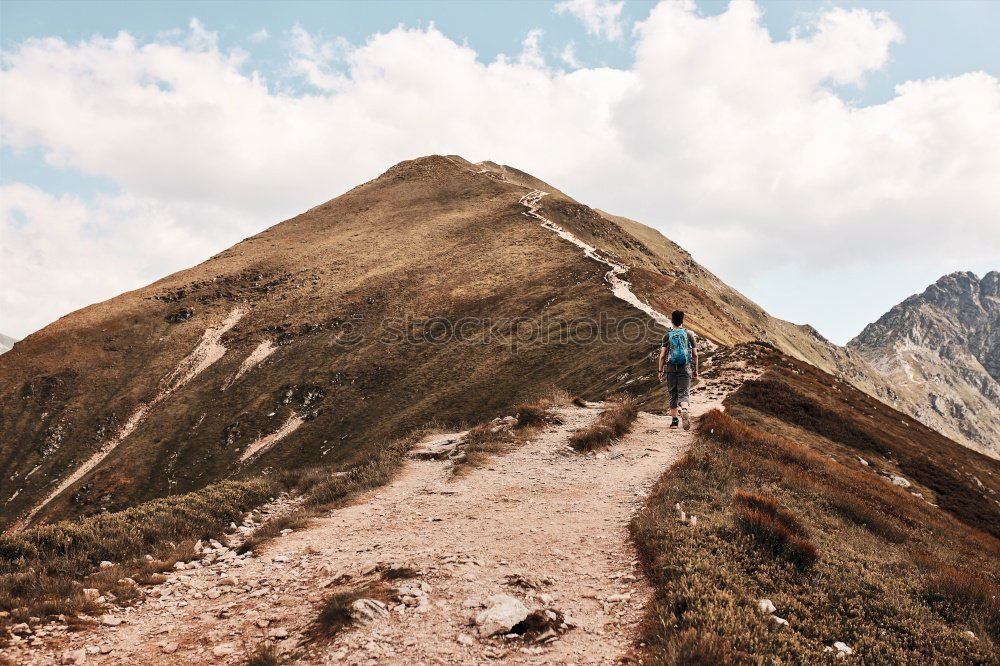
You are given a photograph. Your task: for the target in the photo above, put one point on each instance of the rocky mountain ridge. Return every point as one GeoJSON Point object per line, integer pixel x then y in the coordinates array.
{"type": "Point", "coordinates": [941, 350]}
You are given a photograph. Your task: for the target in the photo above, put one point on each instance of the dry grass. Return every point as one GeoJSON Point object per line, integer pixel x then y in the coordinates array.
{"type": "Point", "coordinates": [869, 587]}
{"type": "Point", "coordinates": [335, 610]}
{"type": "Point", "coordinates": [297, 519]}
{"type": "Point", "coordinates": [44, 570]}
{"type": "Point", "coordinates": [866, 514]}
{"type": "Point", "coordinates": [966, 597]}
{"type": "Point", "coordinates": [610, 425]}
{"type": "Point", "coordinates": [531, 414]}
{"type": "Point", "coordinates": [265, 654]}
{"type": "Point", "coordinates": [774, 527]}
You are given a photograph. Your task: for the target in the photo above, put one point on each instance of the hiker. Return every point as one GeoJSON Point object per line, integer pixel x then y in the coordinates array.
{"type": "Point", "coordinates": [678, 356]}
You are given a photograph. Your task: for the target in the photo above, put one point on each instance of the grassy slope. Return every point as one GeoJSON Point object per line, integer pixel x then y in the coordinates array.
{"type": "Point", "coordinates": [896, 579]}
{"type": "Point", "coordinates": [44, 570]}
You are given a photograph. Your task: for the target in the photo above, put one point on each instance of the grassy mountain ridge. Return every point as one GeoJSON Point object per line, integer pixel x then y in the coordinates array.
{"type": "Point", "coordinates": [286, 349]}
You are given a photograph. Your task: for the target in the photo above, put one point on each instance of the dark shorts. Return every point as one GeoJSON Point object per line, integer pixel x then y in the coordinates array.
{"type": "Point", "coordinates": [678, 379]}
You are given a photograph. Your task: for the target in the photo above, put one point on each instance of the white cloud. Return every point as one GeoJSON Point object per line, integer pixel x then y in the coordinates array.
{"type": "Point", "coordinates": [260, 36]}
{"type": "Point", "coordinates": [531, 52]}
{"type": "Point", "coordinates": [731, 143]}
{"type": "Point", "coordinates": [568, 56]}
{"type": "Point", "coordinates": [601, 17]}
{"type": "Point", "coordinates": [60, 252]}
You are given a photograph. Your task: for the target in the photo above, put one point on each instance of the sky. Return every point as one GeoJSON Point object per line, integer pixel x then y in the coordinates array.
{"type": "Point", "coordinates": [827, 159]}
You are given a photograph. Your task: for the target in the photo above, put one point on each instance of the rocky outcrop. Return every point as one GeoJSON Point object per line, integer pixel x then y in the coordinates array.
{"type": "Point", "coordinates": [941, 349]}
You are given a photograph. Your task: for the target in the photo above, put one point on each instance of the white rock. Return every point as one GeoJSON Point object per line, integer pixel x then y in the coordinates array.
{"type": "Point", "coordinates": [466, 639]}
{"type": "Point", "coordinates": [779, 620]}
{"type": "Point", "coordinates": [968, 634]}
{"type": "Point", "coordinates": [862, 461]}
{"type": "Point", "coordinates": [168, 648]}
{"type": "Point", "coordinates": [766, 606]}
{"type": "Point", "coordinates": [110, 620]}
{"type": "Point", "coordinates": [106, 565]}
{"type": "Point", "coordinates": [900, 481]}
{"type": "Point", "coordinates": [368, 610]}
{"type": "Point", "coordinates": [615, 598]}
{"type": "Point", "coordinates": [842, 647]}
{"type": "Point", "coordinates": [73, 657]}
{"type": "Point", "coordinates": [278, 633]}
{"type": "Point", "coordinates": [223, 650]}
{"type": "Point", "coordinates": [280, 558]}
{"type": "Point", "coordinates": [502, 612]}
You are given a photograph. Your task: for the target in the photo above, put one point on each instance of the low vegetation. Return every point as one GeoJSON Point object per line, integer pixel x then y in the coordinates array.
{"type": "Point", "coordinates": [613, 423]}
{"type": "Point", "coordinates": [788, 512]}
{"type": "Point", "coordinates": [773, 527]}
{"type": "Point", "coordinates": [44, 570]}
{"type": "Point", "coordinates": [486, 440]}
{"type": "Point", "coordinates": [335, 611]}
{"type": "Point", "coordinates": [264, 654]}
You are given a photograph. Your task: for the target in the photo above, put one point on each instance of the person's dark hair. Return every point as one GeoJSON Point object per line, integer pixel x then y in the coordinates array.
{"type": "Point", "coordinates": [677, 317]}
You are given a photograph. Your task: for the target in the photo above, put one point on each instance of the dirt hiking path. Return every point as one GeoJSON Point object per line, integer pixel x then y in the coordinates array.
{"type": "Point", "coordinates": [554, 519]}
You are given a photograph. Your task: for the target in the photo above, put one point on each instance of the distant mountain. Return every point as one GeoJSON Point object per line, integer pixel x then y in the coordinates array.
{"type": "Point", "coordinates": [941, 350]}
{"type": "Point", "coordinates": [6, 343]}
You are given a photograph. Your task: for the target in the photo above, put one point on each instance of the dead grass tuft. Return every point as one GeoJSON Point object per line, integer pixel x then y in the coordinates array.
{"type": "Point", "coordinates": [265, 654]}
{"type": "Point", "coordinates": [775, 528]}
{"type": "Point", "coordinates": [335, 611]}
{"type": "Point", "coordinates": [611, 424]}
{"type": "Point", "coordinates": [334, 490]}
{"type": "Point", "coordinates": [398, 573]}
{"type": "Point", "coordinates": [531, 414]}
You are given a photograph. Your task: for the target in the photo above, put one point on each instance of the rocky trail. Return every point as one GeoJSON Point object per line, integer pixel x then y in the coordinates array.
{"type": "Point", "coordinates": [525, 559]}
{"type": "Point", "coordinates": [543, 526]}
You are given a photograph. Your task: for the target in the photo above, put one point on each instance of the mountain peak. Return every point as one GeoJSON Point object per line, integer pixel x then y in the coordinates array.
{"type": "Point", "coordinates": [944, 344]}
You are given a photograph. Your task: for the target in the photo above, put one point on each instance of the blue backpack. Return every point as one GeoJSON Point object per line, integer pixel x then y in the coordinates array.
{"type": "Point", "coordinates": [679, 346]}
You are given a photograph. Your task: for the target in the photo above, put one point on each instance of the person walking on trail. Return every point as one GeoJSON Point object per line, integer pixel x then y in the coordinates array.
{"type": "Point", "coordinates": [678, 356]}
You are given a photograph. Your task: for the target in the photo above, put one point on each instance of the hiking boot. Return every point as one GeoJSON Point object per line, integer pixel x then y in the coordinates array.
{"type": "Point", "coordinates": [686, 418]}
{"type": "Point", "coordinates": [674, 423]}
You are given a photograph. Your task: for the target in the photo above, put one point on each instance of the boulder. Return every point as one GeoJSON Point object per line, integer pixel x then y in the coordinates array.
{"type": "Point", "coordinates": [766, 606]}
{"type": "Point", "coordinates": [502, 612]}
